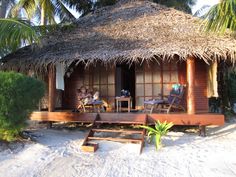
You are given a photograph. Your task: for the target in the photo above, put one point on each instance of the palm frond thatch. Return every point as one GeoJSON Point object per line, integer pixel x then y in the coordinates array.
{"type": "Point", "coordinates": [130, 31]}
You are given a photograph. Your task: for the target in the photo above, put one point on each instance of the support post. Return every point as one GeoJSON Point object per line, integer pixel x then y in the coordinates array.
{"type": "Point", "coordinates": [51, 91]}
{"type": "Point", "coordinates": [51, 88]}
{"type": "Point", "coordinates": [191, 85]}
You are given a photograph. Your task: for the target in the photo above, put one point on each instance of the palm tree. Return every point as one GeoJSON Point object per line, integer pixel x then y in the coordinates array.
{"type": "Point", "coordinates": [16, 32]}
{"type": "Point", "coordinates": [222, 16]}
{"type": "Point", "coordinates": [202, 11]}
{"type": "Point", "coordinates": [102, 3]}
{"type": "Point", "coordinates": [183, 5]}
{"type": "Point", "coordinates": [48, 10]}
{"type": "Point", "coordinates": [4, 6]}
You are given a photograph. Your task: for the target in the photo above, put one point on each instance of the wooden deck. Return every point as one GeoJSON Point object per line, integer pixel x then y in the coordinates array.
{"type": "Point", "coordinates": [203, 119]}
{"type": "Point", "coordinates": [97, 119]}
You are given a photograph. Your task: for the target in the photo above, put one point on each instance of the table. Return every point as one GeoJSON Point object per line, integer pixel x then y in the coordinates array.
{"type": "Point", "coordinates": [120, 99]}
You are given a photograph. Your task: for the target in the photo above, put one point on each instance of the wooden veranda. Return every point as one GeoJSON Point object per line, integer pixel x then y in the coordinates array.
{"type": "Point", "coordinates": [98, 119]}
{"type": "Point", "coordinates": [201, 119]}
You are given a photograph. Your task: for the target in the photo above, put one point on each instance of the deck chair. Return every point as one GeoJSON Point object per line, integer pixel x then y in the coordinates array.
{"type": "Point", "coordinates": [91, 105]}
{"type": "Point", "coordinates": [173, 101]}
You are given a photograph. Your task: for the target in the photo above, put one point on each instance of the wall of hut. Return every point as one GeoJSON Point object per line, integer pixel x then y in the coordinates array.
{"type": "Point", "coordinates": [152, 79]}
{"type": "Point", "coordinates": [96, 78]}
{"type": "Point", "coordinates": [43, 105]}
{"type": "Point", "coordinates": [201, 99]}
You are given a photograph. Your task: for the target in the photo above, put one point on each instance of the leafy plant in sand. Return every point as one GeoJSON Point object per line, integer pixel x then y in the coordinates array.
{"type": "Point", "coordinates": [160, 130]}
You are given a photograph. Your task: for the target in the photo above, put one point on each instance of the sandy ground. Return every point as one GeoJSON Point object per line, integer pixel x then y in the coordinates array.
{"type": "Point", "coordinates": [57, 153]}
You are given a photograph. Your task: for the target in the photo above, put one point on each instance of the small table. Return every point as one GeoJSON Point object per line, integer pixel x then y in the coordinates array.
{"type": "Point", "coordinates": [120, 99]}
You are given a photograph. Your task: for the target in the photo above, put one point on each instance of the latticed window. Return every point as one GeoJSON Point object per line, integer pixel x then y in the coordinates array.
{"type": "Point", "coordinates": [154, 79]}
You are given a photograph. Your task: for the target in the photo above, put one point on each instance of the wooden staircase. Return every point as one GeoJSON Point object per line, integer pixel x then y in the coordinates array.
{"type": "Point", "coordinates": [121, 119]}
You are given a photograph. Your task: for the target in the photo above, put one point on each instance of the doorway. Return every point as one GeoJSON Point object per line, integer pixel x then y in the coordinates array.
{"type": "Point", "coordinates": [125, 79]}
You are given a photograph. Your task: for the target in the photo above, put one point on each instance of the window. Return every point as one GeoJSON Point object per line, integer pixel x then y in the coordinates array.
{"type": "Point", "coordinates": [154, 79]}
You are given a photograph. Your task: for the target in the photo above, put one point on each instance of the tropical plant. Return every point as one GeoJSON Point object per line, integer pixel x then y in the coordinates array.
{"type": "Point", "coordinates": [15, 33]}
{"type": "Point", "coordinates": [232, 87]}
{"type": "Point", "coordinates": [102, 3]}
{"type": "Point", "coordinates": [48, 10]}
{"type": "Point", "coordinates": [183, 5]}
{"type": "Point", "coordinates": [19, 96]}
{"type": "Point", "coordinates": [4, 6]}
{"type": "Point", "coordinates": [202, 11]}
{"type": "Point", "coordinates": [221, 16]}
{"type": "Point", "coordinates": [160, 130]}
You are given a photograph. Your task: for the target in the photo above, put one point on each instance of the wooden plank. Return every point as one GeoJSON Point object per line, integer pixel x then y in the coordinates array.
{"type": "Point", "coordinates": [186, 119]}
{"type": "Point", "coordinates": [89, 147]}
{"type": "Point", "coordinates": [115, 139]}
{"type": "Point", "coordinates": [63, 116]}
{"type": "Point", "coordinates": [122, 117]}
{"type": "Point", "coordinates": [90, 134]}
{"type": "Point", "coordinates": [143, 136]}
{"type": "Point", "coordinates": [119, 131]}
{"type": "Point", "coordinates": [86, 146]}
{"type": "Point", "coordinates": [130, 118]}
{"type": "Point", "coordinates": [119, 122]}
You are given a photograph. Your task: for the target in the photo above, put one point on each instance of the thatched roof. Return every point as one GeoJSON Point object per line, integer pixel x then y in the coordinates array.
{"type": "Point", "coordinates": [128, 31]}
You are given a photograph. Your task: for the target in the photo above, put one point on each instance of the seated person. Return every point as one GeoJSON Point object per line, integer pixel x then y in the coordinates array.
{"type": "Point", "coordinates": [96, 96]}
{"type": "Point", "coordinates": [84, 96]}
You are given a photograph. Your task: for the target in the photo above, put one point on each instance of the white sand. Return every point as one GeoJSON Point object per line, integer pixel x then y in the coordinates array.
{"type": "Point", "coordinates": [58, 154]}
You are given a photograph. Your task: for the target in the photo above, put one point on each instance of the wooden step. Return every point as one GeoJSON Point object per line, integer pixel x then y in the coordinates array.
{"type": "Point", "coordinates": [115, 139]}
{"type": "Point", "coordinates": [89, 147]}
{"type": "Point", "coordinates": [119, 131]}
{"type": "Point", "coordinates": [119, 122]}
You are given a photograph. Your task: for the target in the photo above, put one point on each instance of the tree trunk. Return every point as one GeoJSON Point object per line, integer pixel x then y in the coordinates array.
{"type": "Point", "coordinates": [43, 15]}
{"type": "Point", "coordinates": [3, 8]}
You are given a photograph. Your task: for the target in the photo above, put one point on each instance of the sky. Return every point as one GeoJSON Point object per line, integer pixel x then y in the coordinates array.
{"type": "Point", "coordinates": [201, 3]}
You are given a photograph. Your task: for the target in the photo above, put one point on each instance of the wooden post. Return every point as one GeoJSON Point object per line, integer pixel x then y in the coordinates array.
{"type": "Point", "coordinates": [51, 88]}
{"type": "Point", "coordinates": [191, 85]}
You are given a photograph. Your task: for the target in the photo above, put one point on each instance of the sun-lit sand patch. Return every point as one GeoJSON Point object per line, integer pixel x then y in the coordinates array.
{"type": "Point", "coordinates": [57, 153]}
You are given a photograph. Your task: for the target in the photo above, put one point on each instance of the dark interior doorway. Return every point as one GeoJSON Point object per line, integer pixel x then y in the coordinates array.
{"type": "Point", "coordinates": [125, 79]}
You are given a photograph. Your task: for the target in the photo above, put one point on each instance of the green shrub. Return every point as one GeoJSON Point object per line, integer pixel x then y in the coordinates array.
{"type": "Point", "coordinates": [19, 96]}
{"type": "Point", "coordinates": [158, 131]}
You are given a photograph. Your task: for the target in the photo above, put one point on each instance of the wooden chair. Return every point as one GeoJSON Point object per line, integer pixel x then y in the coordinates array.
{"type": "Point", "coordinates": [94, 105]}
{"type": "Point", "coordinates": [172, 102]}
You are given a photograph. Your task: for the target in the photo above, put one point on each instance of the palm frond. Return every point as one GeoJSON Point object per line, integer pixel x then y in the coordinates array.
{"type": "Point", "coordinates": [30, 7]}
{"type": "Point", "coordinates": [82, 6]}
{"type": "Point", "coordinates": [183, 5]}
{"type": "Point", "coordinates": [202, 11]}
{"type": "Point", "coordinates": [221, 17]}
{"type": "Point", "coordinates": [62, 11]}
{"type": "Point", "coordinates": [150, 129]}
{"type": "Point", "coordinates": [15, 33]}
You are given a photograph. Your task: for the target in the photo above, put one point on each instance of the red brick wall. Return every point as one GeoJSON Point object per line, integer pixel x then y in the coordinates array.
{"type": "Point", "coordinates": [201, 99]}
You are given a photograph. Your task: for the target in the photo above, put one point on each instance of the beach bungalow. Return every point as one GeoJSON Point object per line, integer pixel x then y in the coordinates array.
{"type": "Point", "coordinates": [135, 45]}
